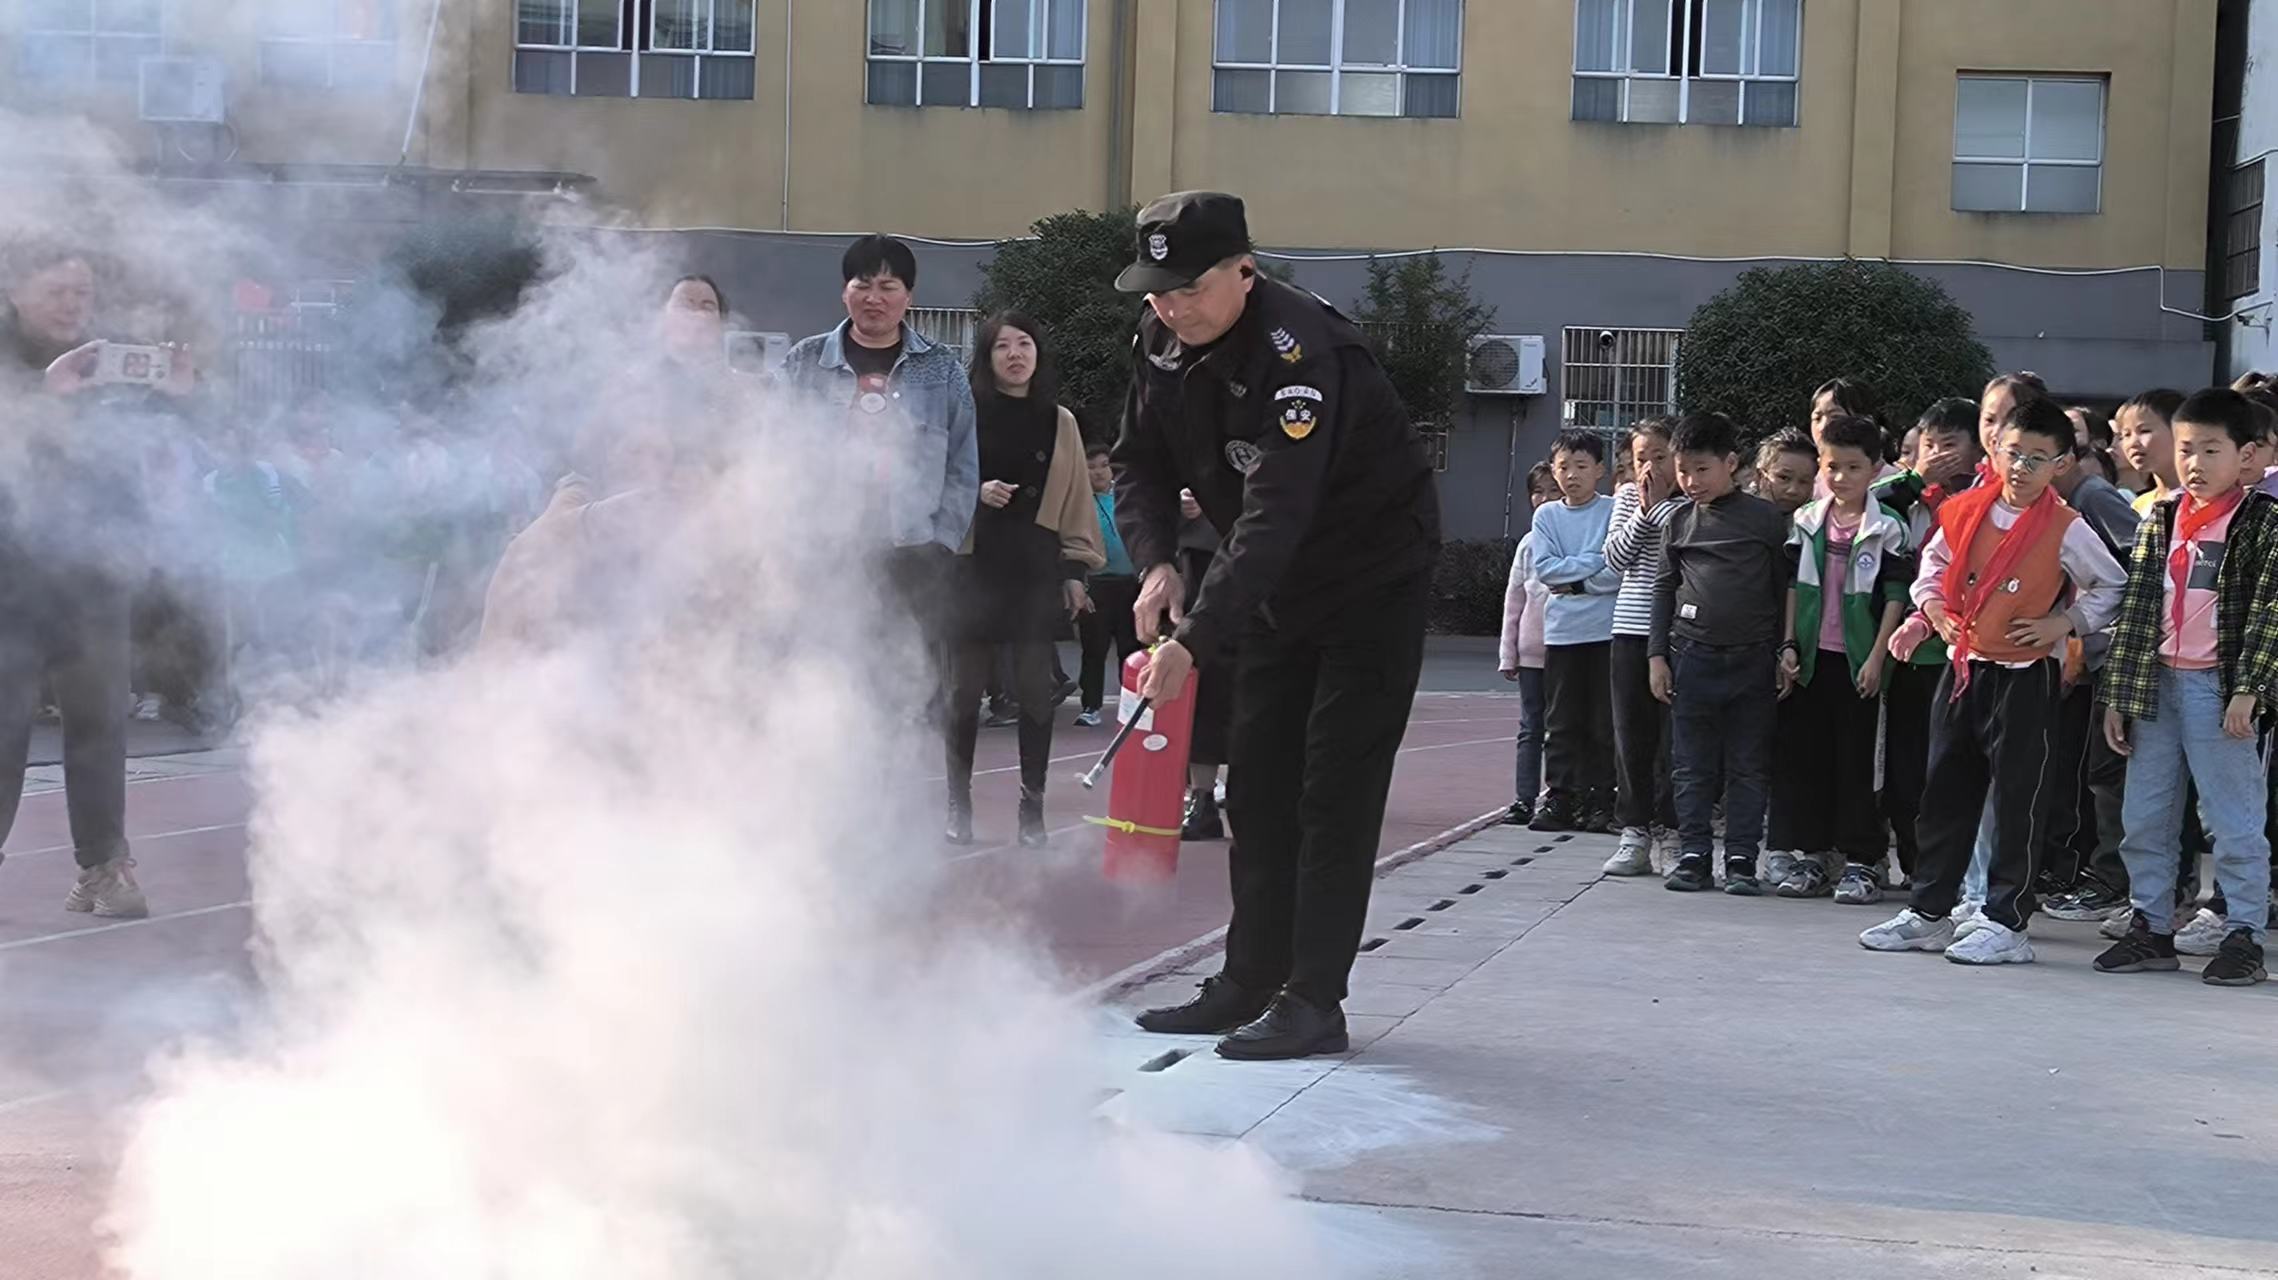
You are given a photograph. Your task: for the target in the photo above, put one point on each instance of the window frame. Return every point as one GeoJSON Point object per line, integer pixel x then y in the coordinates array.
{"type": "Point", "coordinates": [2242, 253]}
{"type": "Point", "coordinates": [2026, 162]}
{"type": "Point", "coordinates": [635, 42]}
{"type": "Point", "coordinates": [332, 45]}
{"type": "Point", "coordinates": [978, 32]}
{"type": "Point", "coordinates": [1680, 57]}
{"type": "Point", "coordinates": [90, 76]}
{"type": "Point", "coordinates": [952, 327]}
{"type": "Point", "coordinates": [1337, 68]}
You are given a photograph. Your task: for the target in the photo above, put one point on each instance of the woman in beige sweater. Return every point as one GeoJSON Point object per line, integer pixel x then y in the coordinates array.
{"type": "Point", "coordinates": [1034, 538]}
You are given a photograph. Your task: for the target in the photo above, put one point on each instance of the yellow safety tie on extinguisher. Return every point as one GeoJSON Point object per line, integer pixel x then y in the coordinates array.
{"type": "Point", "coordinates": [1132, 828]}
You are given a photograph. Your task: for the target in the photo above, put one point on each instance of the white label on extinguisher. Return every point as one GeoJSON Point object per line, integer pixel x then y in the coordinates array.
{"type": "Point", "coordinates": [1154, 742]}
{"type": "Point", "coordinates": [1129, 707]}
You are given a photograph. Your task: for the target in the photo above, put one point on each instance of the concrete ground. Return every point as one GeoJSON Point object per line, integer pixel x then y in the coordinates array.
{"type": "Point", "coordinates": [1558, 1075]}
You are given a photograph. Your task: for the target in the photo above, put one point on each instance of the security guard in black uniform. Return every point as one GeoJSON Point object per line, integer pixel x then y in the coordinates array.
{"type": "Point", "coordinates": [1270, 407]}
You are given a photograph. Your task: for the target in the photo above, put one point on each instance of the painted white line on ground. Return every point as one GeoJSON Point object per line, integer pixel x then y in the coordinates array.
{"type": "Point", "coordinates": [153, 837]}
{"type": "Point", "coordinates": [1174, 958]}
{"type": "Point", "coordinates": [116, 925]}
{"type": "Point", "coordinates": [34, 1100]}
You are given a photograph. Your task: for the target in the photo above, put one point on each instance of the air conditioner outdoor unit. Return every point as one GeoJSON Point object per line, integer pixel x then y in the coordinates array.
{"type": "Point", "coordinates": [183, 91]}
{"type": "Point", "coordinates": [1505, 364]}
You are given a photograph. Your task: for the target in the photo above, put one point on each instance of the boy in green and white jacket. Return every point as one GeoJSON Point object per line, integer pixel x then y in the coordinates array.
{"type": "Point", "coordinates": [1853, 563]}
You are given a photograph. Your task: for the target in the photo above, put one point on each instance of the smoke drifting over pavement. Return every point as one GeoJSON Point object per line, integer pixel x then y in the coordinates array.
{"type": "Point", "coordinates": [610, 948]}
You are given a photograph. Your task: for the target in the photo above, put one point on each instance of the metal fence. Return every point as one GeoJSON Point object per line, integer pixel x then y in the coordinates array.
{"type": "Point", "coordinates": [278, 356]}
{"type": "Point", "coordinates": [1613, 377]}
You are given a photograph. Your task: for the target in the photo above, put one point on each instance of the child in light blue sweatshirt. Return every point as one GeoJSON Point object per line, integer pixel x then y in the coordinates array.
{"type": "Point", "coordinates": [1577, 634]}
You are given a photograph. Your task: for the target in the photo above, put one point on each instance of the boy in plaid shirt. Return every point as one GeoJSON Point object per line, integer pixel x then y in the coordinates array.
{"type": "Point", "coordinates": [2194, 655]}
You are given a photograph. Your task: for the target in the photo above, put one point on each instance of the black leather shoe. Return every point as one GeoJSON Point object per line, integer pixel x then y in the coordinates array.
{"type": "Point", "coordinates": [1202, 821]}
{"type": "Point", "coordinates": [1221, 1007]}
{"type": "Point", "coordinates": [1032, 833]}
{"type": "Point", "coordinates": [959, 829]}
{"type": "Point", "coordinates": [1293, 1027]}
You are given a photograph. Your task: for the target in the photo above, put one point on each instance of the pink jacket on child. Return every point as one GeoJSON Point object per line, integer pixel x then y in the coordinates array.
{"type": "Point", "coordinates": [1523, 599]}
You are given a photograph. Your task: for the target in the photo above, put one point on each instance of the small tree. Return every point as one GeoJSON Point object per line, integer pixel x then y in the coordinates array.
{"type": "Point", "coordinates": [1064, 277]}
{"type": "Point", "coordinates": [1757, 350]}
{"type": "Point", "coordinates": [1422, 321]}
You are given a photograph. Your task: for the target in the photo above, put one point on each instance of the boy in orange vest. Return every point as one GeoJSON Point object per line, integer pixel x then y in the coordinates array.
{"type": "Point", "coordinates": [1994, 583]}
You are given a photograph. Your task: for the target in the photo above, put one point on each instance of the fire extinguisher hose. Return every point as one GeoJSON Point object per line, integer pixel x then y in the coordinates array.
{"type": "Point", "coordinates": [1132, 828]}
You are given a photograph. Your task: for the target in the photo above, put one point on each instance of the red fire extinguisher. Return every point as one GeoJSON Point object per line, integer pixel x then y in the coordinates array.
{"type": "Point", "coordinates": [1147, 801]}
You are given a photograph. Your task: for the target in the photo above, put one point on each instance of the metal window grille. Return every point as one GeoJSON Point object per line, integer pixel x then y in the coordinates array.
{"type": "Point", "coordinates": [278, 356]}
{"type": "Point", "coordinates": [2242, 231]}
{"type": "Point", "coordinates": [1610, 384]}
{"type": "Point", "coordinates": [950, 326]}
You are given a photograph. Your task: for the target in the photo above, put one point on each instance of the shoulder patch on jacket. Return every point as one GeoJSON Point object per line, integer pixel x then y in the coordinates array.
{"type": "Point", "coordinates": [1286, 345]}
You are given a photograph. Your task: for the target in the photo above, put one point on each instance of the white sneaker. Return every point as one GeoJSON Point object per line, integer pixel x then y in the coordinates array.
{"type": "Point", "coordinates": [2116, 927]}
{"type": "Point", "coordinates": [1087, 719]}
{"type": "Point", "coordinates": [108, 891]}
{"type": "Point", "coordinates": [1777, 866]}
{"type": "Point", "coordinates": [1968, 918]}
{"type": "Point", "coordinates": [2203, 936]}
{"type": "Point", "coordinates": [1907, 931]}
{"type": "Point", "coordinates": [1634, 857]}
{"type": "Point", "coordinates": [1992, 942]}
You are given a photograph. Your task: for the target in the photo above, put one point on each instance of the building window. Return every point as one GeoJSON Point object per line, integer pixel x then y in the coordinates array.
{"type": "Point", "coordinates": [2242, 231]}
{"type": "Point", "coordinates": [2029, 144]}
{"type": "Point", "coordinates": [329, 44]}
{"type": "Point", "coordinates": [634, 48]}
{"type": "Point", "coordinates": [1688, 61]}
{"type": "Point", "coordinates": [1022, 54]}
{"type": "Point", "coordinates": [1612, 377]}
{"type": "Point", "coordinates": [87, 42]}
{"type": "Point", "coordinates": [950, 326]}
{"type": "Point", "coordinates": [1339, 58]}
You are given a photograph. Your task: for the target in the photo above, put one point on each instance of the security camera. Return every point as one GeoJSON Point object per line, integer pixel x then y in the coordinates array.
{"type": "Point", "coordinates": [1605, 339]}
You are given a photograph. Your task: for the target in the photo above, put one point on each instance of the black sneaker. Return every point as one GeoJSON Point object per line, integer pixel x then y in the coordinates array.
{"type": "Point", "coordinates": [1519, 814]}
{"type": "Point", "coordinates": [1555, 813]}
{"type": "Point", "coordinates": [959, 828]}
{"type": "Point", "coordinates": [1740, 878]}
{"type": "Point", "coordinates": [2091, 902]}
{"type": "Point", "coordinates": [2140, 950]}
{"type": "Point", "coordinates": [1202, 821]}
{"type": "Point", "coordinates": [2238, 964]}
{"type": "Point", "coordinates": [1690, 875]}
{"type": "Point", "coordinates": [1221, 1008]}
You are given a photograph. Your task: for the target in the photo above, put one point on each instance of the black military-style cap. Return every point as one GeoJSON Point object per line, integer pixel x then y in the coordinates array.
{"type": "Point", "coordinates": [1182, 235]}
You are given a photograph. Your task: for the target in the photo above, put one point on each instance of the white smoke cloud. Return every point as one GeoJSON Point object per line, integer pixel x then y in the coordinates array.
{"type": "Point", "coordinates": [624, 957]}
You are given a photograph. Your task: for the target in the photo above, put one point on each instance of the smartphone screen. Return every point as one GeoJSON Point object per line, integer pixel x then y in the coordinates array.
{"type": "Point", "coordinates": [123, 362]}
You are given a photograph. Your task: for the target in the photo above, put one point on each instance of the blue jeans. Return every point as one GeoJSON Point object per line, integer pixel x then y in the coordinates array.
{"type": "Point", "coordinates": [1721, 744]}
{"type": "Point", "coordinates": [1530, 735]}
{"type": "Point", "coordinates": [2186, 743]}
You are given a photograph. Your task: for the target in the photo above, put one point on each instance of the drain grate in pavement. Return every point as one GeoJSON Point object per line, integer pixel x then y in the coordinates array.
{"type": "Point", "coordinates": [1471, 888]}
{"type": "Point", "coordinates": [1372, 944]}
{"type": "Point", "coordinates": [1520, 862]}
{"type": "Point", "coordinates": [1165, 1061]}
{"type": "Point", "coordinates": [1409, 923]}
{"type": "Point", "coordinates": [1498, 873]}
{"type": "Point", "coordinates": [1442, 905]}
{"type": "Point", "coordinates": [1560, 839]}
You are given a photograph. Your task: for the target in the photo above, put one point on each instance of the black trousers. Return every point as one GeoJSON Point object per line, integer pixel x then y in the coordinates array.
{"type": "Point", "coordinates": [1032, 683]}
{"type": "Point", "coordinates": [1907, 691]}
{"type": "Point", "coordinates": [1578, 738]}
{"type": "Point", "coordinates": [1319, 713]}
{"type": "Point", "coordinates": [1108, 624]}
{"type": "Point", "coordinates": [73, 636]}
{"type": "Point", "coordinates": [2084, 814]}
{"type": "Point", "coordinates": [1823, 768]}
{"type": "Point", "coordinates": [1641, 740]}
{"type": "Point", "coordinates": [1214, 698]}
{"type": "Point", "coordinates": [1999, 735]}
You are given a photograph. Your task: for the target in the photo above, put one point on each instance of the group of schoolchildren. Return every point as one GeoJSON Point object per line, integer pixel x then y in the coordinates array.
{"type": "Point", "coordinates": [1980, 655]}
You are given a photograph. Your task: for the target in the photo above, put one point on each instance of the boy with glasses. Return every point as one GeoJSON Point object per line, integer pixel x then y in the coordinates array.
{"type": "Point", "coordinates": [1994, 583]}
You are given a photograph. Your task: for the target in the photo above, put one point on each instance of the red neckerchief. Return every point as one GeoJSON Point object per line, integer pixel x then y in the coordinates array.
{"type": "Point", "coordinates": [1966, 594]}
{"type": "Point", "coordinates": [2191, 517]}
{"type": "Point", "coordinates": [1934, 496]}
